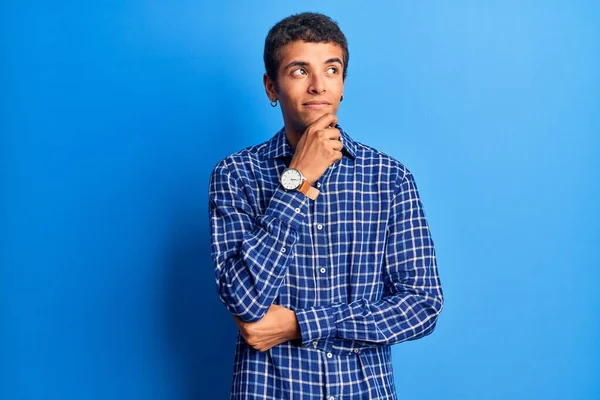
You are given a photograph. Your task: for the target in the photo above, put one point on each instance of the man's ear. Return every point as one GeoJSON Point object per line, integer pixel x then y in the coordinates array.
{"type": "Point", "coordinates": [270, 87]}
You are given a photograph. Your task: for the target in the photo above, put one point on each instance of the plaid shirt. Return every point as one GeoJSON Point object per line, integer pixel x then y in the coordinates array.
{"type": "Point", "coordinates": [357, 265]}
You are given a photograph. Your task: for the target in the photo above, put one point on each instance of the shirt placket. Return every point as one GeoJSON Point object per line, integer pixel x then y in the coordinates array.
{"type": "Point", "coordinates": [320, 232]}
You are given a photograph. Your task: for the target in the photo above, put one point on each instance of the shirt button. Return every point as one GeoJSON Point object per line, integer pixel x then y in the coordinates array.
{"type": "Point", "coordinates": [356, 351]}
{"type": "Point", "coordinates": [329, 355]}
{"type": "Point", "coordinates": [297, 210]}
{"type": "Point", "coordinates": [315, 344]}
{"type": "Point", "coordinates": [283, 250]}
{"type": "Point", "coordinates": [319, 227]}
{"type": "Point", "coordinates": [332, 398]}
{"type": "Point", "coordinates": [322, 270]}
{"type": "Point", "coordinates": [318, 184]}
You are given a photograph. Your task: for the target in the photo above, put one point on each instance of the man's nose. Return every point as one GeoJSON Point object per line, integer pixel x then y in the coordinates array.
{"type": "Point", "coordinates": [317, 84]}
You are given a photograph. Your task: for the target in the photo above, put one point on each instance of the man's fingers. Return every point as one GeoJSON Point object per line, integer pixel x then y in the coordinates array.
{"type": "Point", "coordinates": [333, 133]}
{"type": "Point", "coordinates": [337, 145]}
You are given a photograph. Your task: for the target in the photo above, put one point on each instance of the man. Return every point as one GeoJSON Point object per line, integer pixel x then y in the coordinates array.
{"type": "Point", "coordinates": [322, 251]}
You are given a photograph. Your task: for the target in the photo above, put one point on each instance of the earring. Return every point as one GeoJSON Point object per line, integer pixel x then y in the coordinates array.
{"type": "Point", "coordinates": [274, 103]}
{"type": "Point", "coordinates": [342, 98]}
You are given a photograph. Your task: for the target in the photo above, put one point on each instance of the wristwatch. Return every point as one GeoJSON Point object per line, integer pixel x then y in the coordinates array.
{"type": "Point", "coordinates": [292, 179]}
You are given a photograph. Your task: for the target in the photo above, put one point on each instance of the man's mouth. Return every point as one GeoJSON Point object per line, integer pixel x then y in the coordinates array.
{"type": "Point", "coordinates": [316, 104]}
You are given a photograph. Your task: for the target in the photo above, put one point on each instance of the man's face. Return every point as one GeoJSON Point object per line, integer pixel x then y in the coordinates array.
{"type": "Point", "coordinates": [310, 82]}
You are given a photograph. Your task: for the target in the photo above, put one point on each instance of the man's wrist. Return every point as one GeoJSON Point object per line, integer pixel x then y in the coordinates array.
{"type": "Point", "coordinates": [301, 169]}
{"type": "Point", "coordinates": [308, 190]}
{"type": "Point", "coordinates": [318, 322]}
{"type": "Point", "coordinates": [293, 179]}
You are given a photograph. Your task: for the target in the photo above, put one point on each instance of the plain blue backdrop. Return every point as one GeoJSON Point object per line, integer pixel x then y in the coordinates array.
{"type": "Point", "coordinates": [114, 113]}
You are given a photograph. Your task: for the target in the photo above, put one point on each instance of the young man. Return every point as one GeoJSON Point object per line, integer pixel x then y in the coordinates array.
{"type": "Point", "coordinates": [322, 251]}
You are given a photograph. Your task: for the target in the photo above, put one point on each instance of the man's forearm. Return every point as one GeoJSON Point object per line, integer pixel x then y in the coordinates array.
{"type": "Point", "coordinates": [391, 320]}
{"type": "Point", "coordinates": [251, 253]}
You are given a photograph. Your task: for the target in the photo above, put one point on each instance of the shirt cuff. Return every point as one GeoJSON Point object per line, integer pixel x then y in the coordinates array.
{"type": "Point", "coordinates": [288, 206]}
{"type": "Point", "coordinates": [317, 323]}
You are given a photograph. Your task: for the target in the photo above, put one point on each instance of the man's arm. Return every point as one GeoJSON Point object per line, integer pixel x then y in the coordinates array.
{"type": "Point", "coordinates": [251, 252]}
{"type": "Point", "coordinates": [415, 298]}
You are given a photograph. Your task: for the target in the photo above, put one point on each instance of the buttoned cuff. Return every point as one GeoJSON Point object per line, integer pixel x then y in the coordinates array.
{"type": "Point", "coordinates": [317, 323]}
{"type": "Point", "coordinates": [288, 206]}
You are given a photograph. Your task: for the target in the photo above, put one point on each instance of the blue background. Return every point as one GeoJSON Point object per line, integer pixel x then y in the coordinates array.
{"type": "Point", "coordinates": [114, 113]}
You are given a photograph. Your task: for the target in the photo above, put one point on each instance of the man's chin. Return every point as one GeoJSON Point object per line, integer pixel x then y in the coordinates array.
{"type": "Point", "coordinates": [311, 118]}
{"type": "Point", "coordinates": [304, 120]}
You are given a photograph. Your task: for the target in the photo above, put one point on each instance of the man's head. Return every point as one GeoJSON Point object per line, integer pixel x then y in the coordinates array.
{"type": "Point", "coordinates": [306, 61]}
{"type": "Point", "coordinates": [307, 27]}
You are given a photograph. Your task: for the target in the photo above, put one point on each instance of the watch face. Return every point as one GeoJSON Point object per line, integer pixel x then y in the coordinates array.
{"type": "Point", "coordinates": [291, 179]}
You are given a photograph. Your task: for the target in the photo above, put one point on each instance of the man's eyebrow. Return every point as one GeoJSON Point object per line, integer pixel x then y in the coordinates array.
{"type": "Point", "coordinates": [304, 63]}
{"type": "Point", "coordinates": [334, 60]}
{"type": "Point", "coordinates": [296, 64]}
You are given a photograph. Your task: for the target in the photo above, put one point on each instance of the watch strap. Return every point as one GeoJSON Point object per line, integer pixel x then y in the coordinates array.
{"type": "Point", "coordinates": [309, 190]}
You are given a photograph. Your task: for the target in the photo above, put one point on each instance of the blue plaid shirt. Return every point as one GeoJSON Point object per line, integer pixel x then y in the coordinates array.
{"type": "Point", "coordinates": [357, 265]}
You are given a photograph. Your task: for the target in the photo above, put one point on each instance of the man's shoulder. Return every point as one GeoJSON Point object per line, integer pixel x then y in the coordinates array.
{"type": "Point", "coordinates": [374, 158]}
{"type": "Point", "coordinates": [243, 158]}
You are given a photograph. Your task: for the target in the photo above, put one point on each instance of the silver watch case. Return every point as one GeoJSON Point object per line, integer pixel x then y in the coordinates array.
{"type": "Point", "coordinates": [291, 179]}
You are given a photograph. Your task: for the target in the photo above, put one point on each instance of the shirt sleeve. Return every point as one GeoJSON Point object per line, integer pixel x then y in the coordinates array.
{"type": "Point", "coordinates": [414, 294]}
{"type": "Point", "coordinates": [251, 252]}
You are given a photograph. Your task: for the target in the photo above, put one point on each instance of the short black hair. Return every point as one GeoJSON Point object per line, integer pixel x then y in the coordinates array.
{"type": "Point", "coordinates": [309, 27]}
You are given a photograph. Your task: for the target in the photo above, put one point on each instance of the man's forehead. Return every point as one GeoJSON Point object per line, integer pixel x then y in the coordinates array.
{"type": "Point", "coordinates": [310, 51]}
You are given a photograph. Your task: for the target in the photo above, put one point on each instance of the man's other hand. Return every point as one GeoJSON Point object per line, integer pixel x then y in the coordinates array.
{"type": "Point", "coordinates": [279, 325]}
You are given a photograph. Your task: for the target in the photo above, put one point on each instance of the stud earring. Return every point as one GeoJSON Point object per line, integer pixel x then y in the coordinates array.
{"type": "Point", "coordinates": [274, 103]}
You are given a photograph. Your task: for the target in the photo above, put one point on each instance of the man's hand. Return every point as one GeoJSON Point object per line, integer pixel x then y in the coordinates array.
{"type": "Point", "coordinates": [279, 325]}
{"type": "Point", "coordinates": [318, 148]}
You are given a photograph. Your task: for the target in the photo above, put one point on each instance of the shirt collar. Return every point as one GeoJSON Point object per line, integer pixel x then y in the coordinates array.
{"type": "Point", "coordinates": [278, 146]}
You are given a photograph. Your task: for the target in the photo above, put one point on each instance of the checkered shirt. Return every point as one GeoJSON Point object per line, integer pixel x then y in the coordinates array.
{"type": "Point", "coordinates": [357, 265]}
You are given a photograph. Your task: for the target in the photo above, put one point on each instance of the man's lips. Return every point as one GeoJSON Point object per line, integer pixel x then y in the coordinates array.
{"type": "Point", "coordinates": [316, 104]}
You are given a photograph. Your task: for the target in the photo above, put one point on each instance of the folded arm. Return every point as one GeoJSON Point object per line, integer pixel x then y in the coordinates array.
{"type": "Point", "coordinates": [414, 295]}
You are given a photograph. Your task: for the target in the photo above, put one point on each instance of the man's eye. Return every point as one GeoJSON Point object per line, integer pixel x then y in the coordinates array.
{"type": "Point", "coordinates": [299, 71]}
{"type": "Point", "coordinates": [332, 70]}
